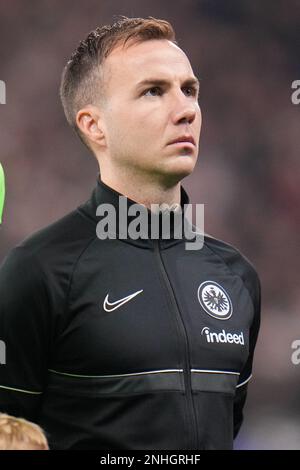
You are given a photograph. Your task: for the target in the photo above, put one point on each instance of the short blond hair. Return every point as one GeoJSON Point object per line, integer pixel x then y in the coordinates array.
{"type": "Point", "coordinates": [20, 434]}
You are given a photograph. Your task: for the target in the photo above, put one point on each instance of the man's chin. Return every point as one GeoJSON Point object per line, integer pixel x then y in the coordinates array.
{"type": "Point", "coordinates": [182, 165]}
{"type": "Point", "coordinates": [178, 168]}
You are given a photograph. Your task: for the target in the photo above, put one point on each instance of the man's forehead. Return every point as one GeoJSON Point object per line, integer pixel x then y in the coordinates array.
{"type": "Point", "coordinates": [160, 57]}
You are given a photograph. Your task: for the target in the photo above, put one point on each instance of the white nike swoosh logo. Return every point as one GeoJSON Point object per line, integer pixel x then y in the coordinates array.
{"type": "Point", "coordinates": [110, 306]}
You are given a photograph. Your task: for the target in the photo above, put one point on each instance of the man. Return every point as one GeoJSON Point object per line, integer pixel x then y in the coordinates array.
{"type": "Point", "coordinates": [129, 342]}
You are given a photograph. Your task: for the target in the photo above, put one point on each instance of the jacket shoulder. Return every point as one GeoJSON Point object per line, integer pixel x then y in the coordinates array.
{"type": "Point", "coordinates": [54, 248]}
{"type": "Point", "coordinates": [67, 235]}
{"type": "Point", "coordinates": [237, 262]}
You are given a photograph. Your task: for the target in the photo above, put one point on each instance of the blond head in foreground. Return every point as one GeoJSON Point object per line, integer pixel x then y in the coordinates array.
{"type": "Point", "coordinates": [20, 434]}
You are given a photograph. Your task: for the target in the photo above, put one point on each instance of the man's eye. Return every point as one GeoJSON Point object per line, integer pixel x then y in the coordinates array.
{"type": "Point", "coordinates": [157, 91]}
{"type": "Point", "coordinates": [190, 91]}
{"type": "Point", "coordinates": [154, 91]}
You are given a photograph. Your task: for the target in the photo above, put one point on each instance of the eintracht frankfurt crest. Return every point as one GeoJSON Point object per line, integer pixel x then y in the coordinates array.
{"type": "Point", "coordinates": [215, 300]}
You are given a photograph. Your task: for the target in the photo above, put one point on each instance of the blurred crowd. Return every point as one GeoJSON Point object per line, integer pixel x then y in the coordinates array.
{"type": "Point", "coordinates": [246, 55]}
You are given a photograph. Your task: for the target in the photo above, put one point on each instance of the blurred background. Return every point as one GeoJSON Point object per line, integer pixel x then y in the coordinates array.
{"type": "Point", "coordinates": [247, 56]}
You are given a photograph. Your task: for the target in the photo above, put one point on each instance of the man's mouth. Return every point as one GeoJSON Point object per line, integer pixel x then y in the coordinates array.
{"type": "Point", "coordinates": [183, 140]}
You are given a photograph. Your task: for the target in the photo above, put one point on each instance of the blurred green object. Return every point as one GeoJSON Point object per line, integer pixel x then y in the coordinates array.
{"type": "Point", "coordinates": [2, 191]}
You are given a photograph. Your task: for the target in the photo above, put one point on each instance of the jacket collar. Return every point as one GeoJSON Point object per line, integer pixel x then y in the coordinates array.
{"type": "Point", "coordinates": [103, 194]}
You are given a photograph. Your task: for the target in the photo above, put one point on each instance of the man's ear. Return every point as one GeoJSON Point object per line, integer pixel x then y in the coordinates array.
{"type": "Point", "coordinates": [89, 121]}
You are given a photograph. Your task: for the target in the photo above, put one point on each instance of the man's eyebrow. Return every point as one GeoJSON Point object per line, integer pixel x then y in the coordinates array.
{"type": "Point", "coordinates": [193, 81]}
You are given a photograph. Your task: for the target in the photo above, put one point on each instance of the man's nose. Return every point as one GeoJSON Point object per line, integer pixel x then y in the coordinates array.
{"type": "Point", "coordinates": [184, 111]}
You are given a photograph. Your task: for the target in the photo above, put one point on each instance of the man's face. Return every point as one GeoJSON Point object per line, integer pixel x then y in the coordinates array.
{"type": "Point", "coordinates": [151, 99]}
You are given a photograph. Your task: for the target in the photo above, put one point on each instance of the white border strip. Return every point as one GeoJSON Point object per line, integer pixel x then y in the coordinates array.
{"type": "Point", "coordinates": [245, 381]}
{"type": "Point", "coordinates": [20, 390]}
{"type": "Point", "coordinates": [215, 371]}
{"type": "Point", "coordinates": [119, 375]}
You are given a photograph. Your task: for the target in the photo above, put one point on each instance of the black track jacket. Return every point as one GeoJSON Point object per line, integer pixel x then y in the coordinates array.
{"type": "Point", "coordinates": [124, 343]}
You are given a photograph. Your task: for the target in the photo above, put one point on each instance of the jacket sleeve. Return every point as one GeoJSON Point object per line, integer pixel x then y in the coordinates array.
{"type": "Point", "coordinates": [25, 330]}
{"type": "Point", "coordinates": [254, 288]}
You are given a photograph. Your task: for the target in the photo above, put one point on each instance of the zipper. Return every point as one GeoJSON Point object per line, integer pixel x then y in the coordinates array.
{"type": "Point", "coordinates": [186, 368]}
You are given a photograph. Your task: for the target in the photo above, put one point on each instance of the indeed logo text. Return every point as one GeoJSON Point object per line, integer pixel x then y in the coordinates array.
{"type": "Point", "coordinates": [222, 337]}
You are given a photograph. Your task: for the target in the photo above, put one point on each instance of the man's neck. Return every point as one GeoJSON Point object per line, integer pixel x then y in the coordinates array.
{"type": "Point", "coordinates": [143, 192]}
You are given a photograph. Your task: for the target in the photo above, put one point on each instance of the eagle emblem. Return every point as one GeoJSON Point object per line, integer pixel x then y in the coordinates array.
{"type": "Point", "coordinates": [215, 300]}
